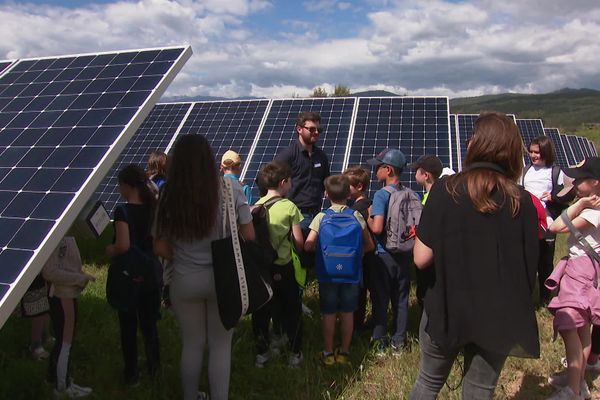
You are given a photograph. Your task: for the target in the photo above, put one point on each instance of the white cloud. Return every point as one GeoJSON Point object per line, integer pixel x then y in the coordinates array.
{"type": "Point", "coordinates": [416, 47]}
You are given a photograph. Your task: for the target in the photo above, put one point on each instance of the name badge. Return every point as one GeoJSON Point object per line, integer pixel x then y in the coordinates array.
{"type": "Point", "coordinates": [317, 165]}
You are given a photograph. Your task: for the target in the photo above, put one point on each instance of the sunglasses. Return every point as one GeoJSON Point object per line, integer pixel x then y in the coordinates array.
{"type": "Point", "coordinates": [313, 129]}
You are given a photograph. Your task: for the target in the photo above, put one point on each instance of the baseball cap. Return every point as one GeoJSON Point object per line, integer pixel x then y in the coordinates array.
{"type": "Point", "coordinates": [588, 168]}
{"type": "Point", "coordinates": [393, 157]}
{"type": "Point", "coordinates": [429, 163]}
{"type": "Point", "coordinates": [230, 158]}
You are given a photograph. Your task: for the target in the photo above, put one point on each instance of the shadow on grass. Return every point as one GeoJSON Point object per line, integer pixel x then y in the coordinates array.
{"type": "Point", "coordinates": [533, 387]}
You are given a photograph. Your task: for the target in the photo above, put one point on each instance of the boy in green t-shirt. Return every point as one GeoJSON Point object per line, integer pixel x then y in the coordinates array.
{"type": "Point", "coordinates": [284, 217]}
{"type": "Point", "coordinates": [336, 298]}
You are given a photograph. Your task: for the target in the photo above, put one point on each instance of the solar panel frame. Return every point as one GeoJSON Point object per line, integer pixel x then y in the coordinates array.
{"type": "Point", "coordinates": [454, 143]}
{"type": "Point", "coordinates": [428, 123]}
{"type": "Point", "coordinates": [583, 142]}
{"type": "Point", "coordinates": [277, 132]}
{"type": "Point", "coordinates": [40, 237]}
{"type": "Point", "coordinates": [593, 148]}
{"type": "Point", "coordinates": [156, 133]}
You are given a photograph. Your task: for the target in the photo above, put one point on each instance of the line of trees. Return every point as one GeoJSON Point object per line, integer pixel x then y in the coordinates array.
{"type": "Point", "coordinates": [338, 91]}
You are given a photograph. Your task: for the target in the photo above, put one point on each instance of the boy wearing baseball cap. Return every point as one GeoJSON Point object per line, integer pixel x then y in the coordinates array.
{"type": "Point", "coordinates": [231, 165]}
{"type": "Point", "coordinates": [427, 169]}
{"type": "Point", "coordinates": [390, 279]}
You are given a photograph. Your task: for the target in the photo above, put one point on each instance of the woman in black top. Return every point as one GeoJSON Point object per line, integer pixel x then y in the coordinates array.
{"type": "Point", "coordinates": [132, 222]}
{"type": "Point", "coordinates": [479, 232]}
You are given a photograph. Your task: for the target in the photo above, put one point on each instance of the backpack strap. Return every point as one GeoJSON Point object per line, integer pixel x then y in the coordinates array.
{"type": "Point", "coordinates": [349, 211]}
{"type": "Point", "coordinates": [586, 245]}
{"type": "Point", "coordinates": [390, 189]}
{"type": "Point", "coordinates": [267, 204]}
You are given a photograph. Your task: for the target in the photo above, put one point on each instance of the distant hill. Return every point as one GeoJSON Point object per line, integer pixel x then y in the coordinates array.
{"type": "Point", "coordinates": [373, 93]}
{"type": "Point", "coordinates": [190, 99]}
{"type": "Point", "coordinates": [565, 109]}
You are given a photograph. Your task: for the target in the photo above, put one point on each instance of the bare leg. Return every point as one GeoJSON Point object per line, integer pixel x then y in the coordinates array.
{"type": "Point", "coordinates": [575, 358]}
{"type": "Point", "coordinates": [329, 331]}
{"type": "Point", "coordinates": [346, 328]}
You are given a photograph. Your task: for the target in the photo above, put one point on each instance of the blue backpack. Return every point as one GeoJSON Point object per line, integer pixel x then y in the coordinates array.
{"type": "Point", "coordinates": [339, 256]}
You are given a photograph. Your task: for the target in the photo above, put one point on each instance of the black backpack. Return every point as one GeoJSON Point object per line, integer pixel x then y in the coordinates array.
{"type": "Point", "coordinates": [260, 220]}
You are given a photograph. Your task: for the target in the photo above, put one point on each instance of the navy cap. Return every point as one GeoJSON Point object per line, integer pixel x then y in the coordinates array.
{"type": "Point", "coordinates": [429, 163]}
{"type": "Point", "coordinates": [588, 168]}
{"type": "Point", "coordinates": [393, 157]}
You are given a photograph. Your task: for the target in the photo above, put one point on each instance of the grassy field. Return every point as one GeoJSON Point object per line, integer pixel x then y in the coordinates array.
{"type": "Point", "coordinates": [97, 361]}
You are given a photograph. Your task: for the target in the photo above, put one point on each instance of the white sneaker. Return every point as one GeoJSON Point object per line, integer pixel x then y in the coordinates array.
{"type": "Point", "coordinates": [560, 380]}
{"type": "Point", "coordinates": [72, 392]}
{"type": "Point", "coordinates": [585, 391]}
{"type": "Point", "coordinates": [564, 394]}
{"type": "Point", "coordinates": [202, 396]}
{"type": "Point", "coordinates": [39, 353]}
{"type": "Point", "coordinates": [296, 360]}
{"type": "Point", "coordinates": [307, 311]}
{"type": "Point", "coordinates": [261, 359]}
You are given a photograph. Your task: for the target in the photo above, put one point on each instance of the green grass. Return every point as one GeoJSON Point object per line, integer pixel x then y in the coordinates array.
{"type": "Point", "coordinates": [96, 359]}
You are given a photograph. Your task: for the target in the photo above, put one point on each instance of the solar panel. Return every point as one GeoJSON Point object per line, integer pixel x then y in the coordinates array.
{"type": "Point", "coordinates": [465, 124]}
{"type": "Point", "coordinates": [63, 121]}
{"type": "Point", "coordinates": [576, 148]}
{"type": "Point", "coordinates": [568, 151]}
{"type": "Point", "coordinates": [278, 131]}
{"type": "Point", "coordinates": [454, 145]}
{"type": "Point", "coordinates": [593, 147]}
{"type": "Point", "coordinates": [530, 129]}
{"type": "Point", "coordinates": [584, 146]}
{"type": "Point", "coordinates": [561, 156]}
{"type": "Point", "coordinates": [415, 125]}
{"type": "Point", "coordinates": [227, 124]}
{"type": "Point", "coordinates": [155, 133]}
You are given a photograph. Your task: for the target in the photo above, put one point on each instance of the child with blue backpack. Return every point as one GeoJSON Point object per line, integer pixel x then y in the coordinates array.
{"type": "Point", "coordinates": [339, 235]}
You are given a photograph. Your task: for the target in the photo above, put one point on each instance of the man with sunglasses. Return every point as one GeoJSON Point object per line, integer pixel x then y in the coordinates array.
{"type": "Point", "coordinates": [310, 167]}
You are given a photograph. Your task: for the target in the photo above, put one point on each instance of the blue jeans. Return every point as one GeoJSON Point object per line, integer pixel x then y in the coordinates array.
{"type": "Point", "coordinates": [481, 370]}
{"type": "Point", "coordinates": [390, 283]}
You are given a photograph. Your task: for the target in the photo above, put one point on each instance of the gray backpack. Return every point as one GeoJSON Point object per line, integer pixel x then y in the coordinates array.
{"type": "Point", "coordinates": [403, 216]}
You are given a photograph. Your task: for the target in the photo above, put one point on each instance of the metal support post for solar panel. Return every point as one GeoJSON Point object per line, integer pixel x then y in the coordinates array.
{"type": "Point", "coordinates": [185, 117]}
{"type": "Point", "coordinates": [256, 138]}
{"type": "Point", "coordinates": [350, 134]}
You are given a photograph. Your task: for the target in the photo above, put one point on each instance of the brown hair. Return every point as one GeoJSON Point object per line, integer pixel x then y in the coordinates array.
{"type": "Point", "coordinates": [157, 164]}
{"type": "Point", "coordinates": [134, 176]}
{"type": "Point", "coordinates": [272, 173]}
{"type": "Point", "coordinates": [308, 116]}
{"type": "Point", "coordinates": [189, 202]}
{"type": "Point", "coordinates": [358, 175]}
{"type": "Point", "coordinates": [496, 139]}
{"type": "Point", "coordinates": [546, 149]}
{"type": "Point", "coordinates": [338, 188]}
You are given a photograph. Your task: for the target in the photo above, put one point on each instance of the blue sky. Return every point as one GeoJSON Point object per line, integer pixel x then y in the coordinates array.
{"type": "Point", "coordinates": [283, 48]}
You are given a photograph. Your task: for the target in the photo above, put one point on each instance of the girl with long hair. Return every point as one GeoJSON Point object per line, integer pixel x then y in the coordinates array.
{"type": "Point", "coordinates": [188, 220]}
{"type": "Point", "coordinates": [479, 232]}
{"type": "Point", "coordinates": [132, 222]}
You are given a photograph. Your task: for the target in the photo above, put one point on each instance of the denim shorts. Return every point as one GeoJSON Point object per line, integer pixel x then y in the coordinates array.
{"type": "Point", "coordinates": [338, 297]}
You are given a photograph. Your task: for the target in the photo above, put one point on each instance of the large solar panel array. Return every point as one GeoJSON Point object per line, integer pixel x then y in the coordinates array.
{"type": "Point", "coordinates": [583, 142]}
{"type": "Point", "coordinates": [278, 131]}
{"type": "Point", "coordinates": [465, 124]}
{"type": "Point", "coordinates": [415, 125]}
{"type": "Point", "coordinates": [155, 133]}
{"type": "Point", "coordinates": [63, 121]}
{"type": "Point", "coordinates": [594, 151]}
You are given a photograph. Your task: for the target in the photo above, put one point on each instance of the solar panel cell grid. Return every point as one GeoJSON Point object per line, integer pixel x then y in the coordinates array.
{"type": "Point", "coordinates": [227, 124]}
{"type": "Point", "coordinates": [155, 133]}
{"type": "Point", "coordinates": [278, 131]}
{"type": "Point", "coordinates": [52, 144]}
{"type": "Point", "coordinates": [568, 151]}
{"type": "Point", "coordinates": [561, 155]}
{"type": "Point", "coordinates": [416, 126]}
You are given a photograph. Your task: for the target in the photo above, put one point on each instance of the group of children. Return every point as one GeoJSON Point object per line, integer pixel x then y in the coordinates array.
{"type": "Point", "coordinates": [349, 241]}
{"type": "Point", "coordinates": [349, 246]}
